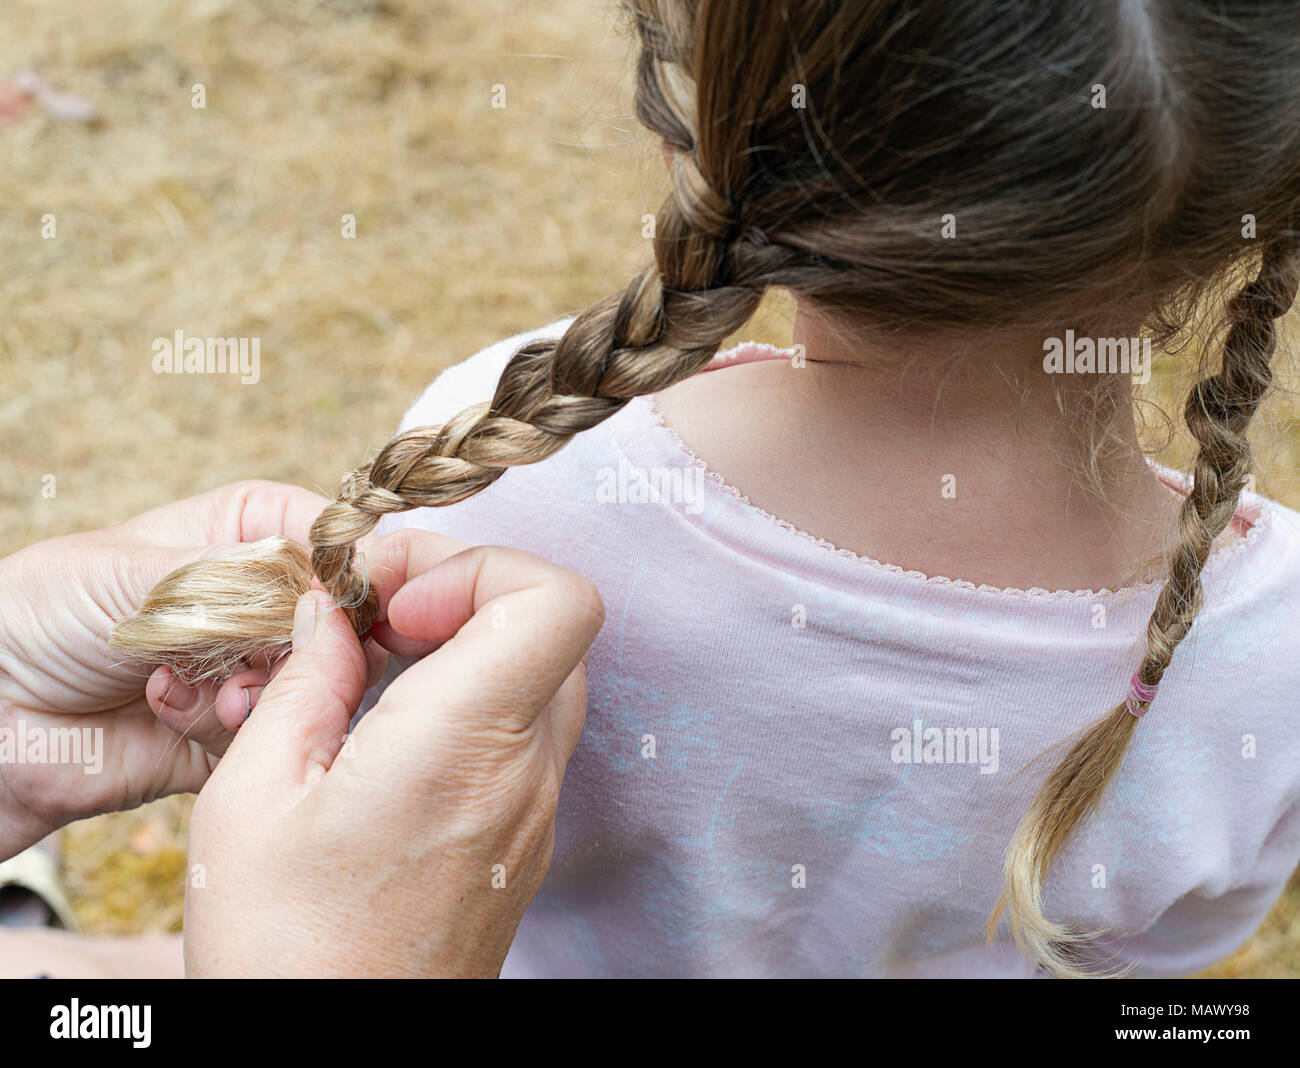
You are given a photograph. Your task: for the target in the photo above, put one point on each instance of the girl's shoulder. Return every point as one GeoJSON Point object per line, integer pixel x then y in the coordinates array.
{"type": "Point", "coordinates": [1266, 562]}
{"type": "Point", "coordinates": [1270, 551]}
{"type": "Point", "coordinates": [473, 380]}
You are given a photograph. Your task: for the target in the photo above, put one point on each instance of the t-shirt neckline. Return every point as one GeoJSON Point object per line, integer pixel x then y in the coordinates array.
{"type": "Point", "coordinates": [647, 438]}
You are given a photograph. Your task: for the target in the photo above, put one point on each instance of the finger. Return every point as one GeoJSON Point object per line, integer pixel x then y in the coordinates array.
{"type": "Point", "coordinates": [392, 561]}
{"type": "Point", "coordinates": [510, 629]}
{"type": "Point", "coordinates": [304, 712]}
{"type": "Point", "coordinates": [567, 713]}
{"type": "Point", "coordinates": [137, 572]}
{"type": "Point", "coordinates": [389, 639]}
{"type": "Point", "coordinates": [240, 512]}
{"type": "Point", "coordinates": [146, 758]}
{"type": "Point", "coordinates": [239, 695]}
{"type": "Point", "coordinates": [187, 709]}
{"type": "Point", "coordinates": [263, 509]}
{"type": "Point", "coordinates": [203, 526]}
{"type": "Point", "coordinates": [376, 661]}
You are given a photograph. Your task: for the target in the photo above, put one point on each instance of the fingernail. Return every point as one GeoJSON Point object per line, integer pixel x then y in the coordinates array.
{"type": "Point", "coordinates": [178, 695]}
{"type": "Point", "coordinates": [304, 620]}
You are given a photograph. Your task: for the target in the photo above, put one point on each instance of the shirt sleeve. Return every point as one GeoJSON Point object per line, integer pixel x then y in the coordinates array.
{"type": "Point", "coordinates": [474, 380]}
{"type": "Point", "coordinates": [1176, 945]}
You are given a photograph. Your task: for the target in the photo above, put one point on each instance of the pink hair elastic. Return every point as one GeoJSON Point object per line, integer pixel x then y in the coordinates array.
{"type": "Point", "coordinates": [1139, 692]}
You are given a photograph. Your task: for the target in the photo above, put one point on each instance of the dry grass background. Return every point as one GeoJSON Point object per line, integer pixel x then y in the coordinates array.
{"type": "Point", "coordinates": [472, 223]}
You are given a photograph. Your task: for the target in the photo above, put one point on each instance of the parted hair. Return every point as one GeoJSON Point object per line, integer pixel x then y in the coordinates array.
{"type": "Point", "coordinates": [815, 147]}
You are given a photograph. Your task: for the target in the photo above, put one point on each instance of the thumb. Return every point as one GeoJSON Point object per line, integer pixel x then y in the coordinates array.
{"type": "Point", "coordinates": [303, 715]}
{"type": "Point", "coordinates": [138, 571]}
{"type": "Point", "coordinates": [130, 580]}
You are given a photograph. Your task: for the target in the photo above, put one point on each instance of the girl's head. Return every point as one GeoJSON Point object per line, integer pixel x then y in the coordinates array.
{"type": "Point", "coordinates": [903, 167]}
{"type": "Point", "coordinates": [967, 164]}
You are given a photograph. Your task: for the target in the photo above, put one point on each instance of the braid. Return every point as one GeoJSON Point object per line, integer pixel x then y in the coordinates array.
{"type": "Point", "coordinates": [663, 328]}
{"type": "Point", "coordinates": [1218, 411]}
{"type": "Point", "coordinates": [708, 279]}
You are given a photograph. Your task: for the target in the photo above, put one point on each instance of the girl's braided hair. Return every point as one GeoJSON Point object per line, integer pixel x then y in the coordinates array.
{"type": "Point", "coordinates": [816, 146]}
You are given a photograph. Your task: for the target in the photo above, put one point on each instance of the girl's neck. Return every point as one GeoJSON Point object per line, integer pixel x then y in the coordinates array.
{"type": "Point", "coordinates": [957, 457]}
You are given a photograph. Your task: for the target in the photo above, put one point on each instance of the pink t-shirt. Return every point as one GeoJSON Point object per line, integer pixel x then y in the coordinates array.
{"type": "Point", "coordinates": [802, 762]}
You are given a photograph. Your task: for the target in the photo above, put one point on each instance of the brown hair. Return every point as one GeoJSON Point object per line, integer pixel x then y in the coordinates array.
{"type": "Point", "coordinates": [816, 146]}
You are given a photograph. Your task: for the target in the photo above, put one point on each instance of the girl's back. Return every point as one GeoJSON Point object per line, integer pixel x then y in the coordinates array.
{"type": "Point", "coordinates": [756, 791]}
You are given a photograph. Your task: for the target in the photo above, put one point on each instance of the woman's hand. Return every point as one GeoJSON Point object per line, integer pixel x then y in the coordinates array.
{"type": "Point", "coordinates": [58, 601]}
{"type": "Point", "coordinates": [412, 846]}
